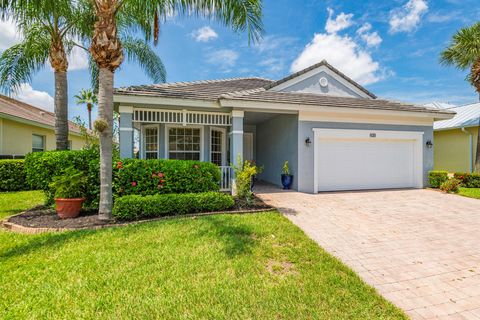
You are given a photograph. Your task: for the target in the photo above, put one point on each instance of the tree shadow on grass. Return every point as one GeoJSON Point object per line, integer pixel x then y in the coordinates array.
{"type": "Point", "coordinates": [237, 239]}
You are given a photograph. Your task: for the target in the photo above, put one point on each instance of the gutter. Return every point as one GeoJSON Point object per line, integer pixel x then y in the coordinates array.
{"type": "Point", "coordinates": [470, 148]}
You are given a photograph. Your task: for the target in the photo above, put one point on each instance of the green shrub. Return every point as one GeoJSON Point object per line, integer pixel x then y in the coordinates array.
{"type": "Point", "coordinates": [135, 206]}
{"type": "Point", "coordinates": [436, 178]}
{"type": "Point", "coordinates": [69, 184]}
{"type": "Point", "coordinates": [451, 185]}
{"type": "Point", "coordinates": [469, 180]}
{"type": "Point", "coordinates": [12, 175]}
{"type": "Point", "coordinates": [244, 173]}
{"type": "Point", "coordinates": [148, 177]}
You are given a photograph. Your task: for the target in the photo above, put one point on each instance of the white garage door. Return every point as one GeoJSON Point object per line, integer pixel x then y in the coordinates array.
{"type": "Point", "coordinates": [359, 159]}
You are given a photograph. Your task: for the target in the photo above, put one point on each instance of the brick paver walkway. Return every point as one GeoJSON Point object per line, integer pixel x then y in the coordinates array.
{"type": "Point", "coordinates": [419, 248]}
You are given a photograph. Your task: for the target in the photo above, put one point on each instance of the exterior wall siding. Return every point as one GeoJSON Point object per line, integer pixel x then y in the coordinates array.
{"type": "Point", "coordinates": [452, 149]}
{"type": "Point", "coordinates": [277, 142]}
{"type": "Point", "coordinates": [306, 153]}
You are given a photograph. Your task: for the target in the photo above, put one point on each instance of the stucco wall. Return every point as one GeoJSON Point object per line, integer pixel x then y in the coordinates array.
{"type": "Point", "coordinates": [306, 154]}
{"type": "Point", "coordinates": [17, 138]}
{"type": "Point", "coordinates": [452, 149]}
{"type": "Point", "coordinates": [276, 143]}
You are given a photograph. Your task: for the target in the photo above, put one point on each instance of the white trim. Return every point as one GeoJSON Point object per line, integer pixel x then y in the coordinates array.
{"type": "Point", "coordinates": [183, 117]}
{"type": "Point", "coordinates": [342, 134]}
{"type": "Point", "coordinates": [202, 138]}
{"type": "Point", "coordinates": [316, 71]}
{"type": "Point", "coordinates": [139, 99]}
{"type": "Point", "coordinates": [143, 151]}
{"type": "Point", "coordinates": [238, 113]}
{"type": "Point", "coordinates": [236, 132]}
{"type": "Point", "coordinates": [126, 129]}
{"type": "Point", "coordinates": [125, 109]}
{"type": "Point", "coordinates": [224, 144]}
{"type": "Point", "coordinates": [364, 118]}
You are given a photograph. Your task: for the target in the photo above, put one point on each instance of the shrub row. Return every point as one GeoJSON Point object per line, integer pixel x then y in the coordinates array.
{"type": "Point", "coordinates": [12, 175]}
{"type": "Point", "coordinates": [436, 178]}
{"type": "Point", "coordinates": [135, 207]}
{"type": "Point", "coordinates": [468, 180]}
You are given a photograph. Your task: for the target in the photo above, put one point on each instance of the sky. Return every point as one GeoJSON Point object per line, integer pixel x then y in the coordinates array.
{"type": "Point", "coordinates": [391, 47]}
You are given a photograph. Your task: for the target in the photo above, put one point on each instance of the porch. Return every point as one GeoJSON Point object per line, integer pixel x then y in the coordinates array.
{"type": "Point", "coordinates": [218, 137]}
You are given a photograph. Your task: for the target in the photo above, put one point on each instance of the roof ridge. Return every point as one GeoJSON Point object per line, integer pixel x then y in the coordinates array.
{"type": "Point", "coordinates": [242, 92]}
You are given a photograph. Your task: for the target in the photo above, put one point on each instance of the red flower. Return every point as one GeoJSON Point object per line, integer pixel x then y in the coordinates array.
{"type": "Point", "coordinates": [134, 183]}
{"type": "Point", "coordinates": [162, 181]}
{"type": "Point", "coordinates": [119, 165]}
{"type": "Point", "coordinates": [160, 174]}
{"type": "Point", "coordinates": [153, 175]}
{"type": "Point", "coordinates": [196, 166]}
{"type": "Point", "coordinates": [160, 186]}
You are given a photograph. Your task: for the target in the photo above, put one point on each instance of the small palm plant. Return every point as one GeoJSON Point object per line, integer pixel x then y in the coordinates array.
{"type": "Point", "coordinates": [464, 53]}
{"type": "Point", "coordinates": [89, 98]}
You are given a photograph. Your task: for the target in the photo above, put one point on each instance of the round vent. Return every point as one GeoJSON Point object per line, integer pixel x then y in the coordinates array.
{"type": "Point", "coordinates": [323, 82]}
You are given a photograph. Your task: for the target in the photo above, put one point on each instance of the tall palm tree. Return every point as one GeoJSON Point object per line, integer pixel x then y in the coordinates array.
{"type": "Point", "coordinates": [106, 50]}
{"type": "Point", "coordinates": [464, 53]}
{"type": "Point", "coordinates": [89, 98]}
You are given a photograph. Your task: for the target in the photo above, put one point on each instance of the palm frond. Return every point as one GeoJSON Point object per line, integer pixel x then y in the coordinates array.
{"type": "Point", "coordinates": [464, 48]}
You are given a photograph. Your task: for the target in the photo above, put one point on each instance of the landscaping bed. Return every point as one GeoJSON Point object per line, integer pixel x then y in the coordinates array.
{"type": "Point", "coordinates": [42, 217]}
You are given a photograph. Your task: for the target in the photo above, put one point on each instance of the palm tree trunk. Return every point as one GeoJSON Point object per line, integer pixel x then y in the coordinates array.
{"type": "Point", "coordinates": [89, 108]}
{"type": "Point", "coordinates": [105, 115]}
{"type": "Point", "coordinates": [61, 110]}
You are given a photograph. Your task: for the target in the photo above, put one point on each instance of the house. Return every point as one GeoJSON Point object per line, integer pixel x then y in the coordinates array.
{"type": "Point", "coordinates": [456, 139]}
{"type": "Point", "coordinates": [25, 128]}
{"type": "Point", "coordinates": [335, 134]}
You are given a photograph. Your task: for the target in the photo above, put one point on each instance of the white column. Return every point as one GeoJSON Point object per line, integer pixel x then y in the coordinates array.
{"type": "Point", "coordinates": [126, 132]}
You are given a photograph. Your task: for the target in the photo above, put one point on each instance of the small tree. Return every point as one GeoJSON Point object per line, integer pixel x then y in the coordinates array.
{"type": "Point", "coordinates": [89, 98]}
{"type": "Point", "coordinates": [244, 173]}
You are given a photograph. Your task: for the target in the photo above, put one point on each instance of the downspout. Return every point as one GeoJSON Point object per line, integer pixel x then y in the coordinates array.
{"type": "Point", "coordinates": [470, 150]}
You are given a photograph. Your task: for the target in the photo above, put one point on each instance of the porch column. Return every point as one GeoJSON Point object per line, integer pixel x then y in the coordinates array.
{"type": "Point", "coordinates": [126, 132]}
{"type": "Point", "coordinates": [236, 142]}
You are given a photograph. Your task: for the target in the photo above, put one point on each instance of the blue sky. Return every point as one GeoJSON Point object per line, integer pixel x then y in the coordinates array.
{"type": "Point", "coordinates": [391, 47]}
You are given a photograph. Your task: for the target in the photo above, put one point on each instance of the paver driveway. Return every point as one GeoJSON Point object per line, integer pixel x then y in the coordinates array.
{"type": "Point", "coordinates": [419, 248]}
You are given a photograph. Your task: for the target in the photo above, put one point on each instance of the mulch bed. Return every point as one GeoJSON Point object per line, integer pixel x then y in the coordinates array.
{"type": "Point", "coordinates": [45, 219]}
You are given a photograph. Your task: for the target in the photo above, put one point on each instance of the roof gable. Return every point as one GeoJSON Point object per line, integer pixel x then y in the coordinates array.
{"type": "Point", "coordinates": [334, 83]}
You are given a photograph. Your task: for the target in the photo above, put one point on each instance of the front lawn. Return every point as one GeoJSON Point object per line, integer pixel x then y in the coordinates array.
{"type": "Point", "coordinates": [470, 192]}
{"type": "Point", "coordinates": [255, 266]}
{"type": "Point", "coordinates": [16, 202]}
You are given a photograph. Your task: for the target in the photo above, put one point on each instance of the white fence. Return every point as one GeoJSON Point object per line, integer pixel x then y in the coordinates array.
{"type": "Point", "coordinates": [183, 117]}
{"type": "Point", "coordinates": [226, 178]}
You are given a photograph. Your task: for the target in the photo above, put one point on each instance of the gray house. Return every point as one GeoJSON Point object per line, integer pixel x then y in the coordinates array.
{"type": "Point", "coordinates": [335, 134]}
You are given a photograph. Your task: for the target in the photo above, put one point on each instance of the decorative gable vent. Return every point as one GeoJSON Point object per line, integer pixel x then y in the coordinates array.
{"type": "Point", "coordinates": [183, 117]}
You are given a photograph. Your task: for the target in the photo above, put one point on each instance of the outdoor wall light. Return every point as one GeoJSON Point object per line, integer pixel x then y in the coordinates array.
{"type": "Point", "coordinates": [429, 144]}
{"type": "Point", "coordinates": [308, 142]}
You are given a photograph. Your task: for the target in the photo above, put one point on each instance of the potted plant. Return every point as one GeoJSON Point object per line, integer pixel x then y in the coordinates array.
{"type": "Point", "coordinates": [69, 191]}
{"type": "Point", "coordinates": [287, 178]}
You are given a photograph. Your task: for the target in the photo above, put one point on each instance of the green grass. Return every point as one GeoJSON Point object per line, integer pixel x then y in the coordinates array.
{"type": "Point", "coordinates": [470, 192]}
{"type": "Point", "coordinates": [255, 266]}
{"type": "Point", "coordinates": [16, 202]}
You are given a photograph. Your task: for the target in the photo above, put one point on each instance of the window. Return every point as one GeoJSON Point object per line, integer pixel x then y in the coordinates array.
{"type": "Point", "coordinates": [151, 143]}
{"type": "Point", "coordinates": [184, 143]}
{"type": "Point", "coordinates": [216, 147]}
{"type": "Point", "coordinates": [38, 143]}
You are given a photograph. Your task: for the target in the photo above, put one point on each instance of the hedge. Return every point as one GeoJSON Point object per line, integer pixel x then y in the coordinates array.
{"type": "Point", "coordinates": [436, 178]}
{"type": "Point", "coordinates": [12, 175]}
{"type": "Point", "coordinates": [148, 177]}
{"type": "Point", "coordinates": [135, 207]}
{"type": "Point", "coordinates": [469, 180]}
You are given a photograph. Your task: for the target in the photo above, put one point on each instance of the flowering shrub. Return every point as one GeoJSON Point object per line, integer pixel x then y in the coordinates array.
{"type": "Point", "coordinates": [468, 180]}
{"type": "Point", "coordinates": [12, 175]}
{"type": "Point", "coordinates": [450, 185]}
{"type": "Point", "coordinates": [436, 178]}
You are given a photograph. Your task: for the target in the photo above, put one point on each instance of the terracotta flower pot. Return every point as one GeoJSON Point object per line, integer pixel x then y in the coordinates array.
{"type": "Point", "coordinates": [68, 208]}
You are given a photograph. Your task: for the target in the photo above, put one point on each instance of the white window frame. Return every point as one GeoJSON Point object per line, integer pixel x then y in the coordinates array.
{"type": "Point", "coordinates": [167, 136]}
{"type": "Point", "coordinates": [44, 139]}
{"type": "Point", "coordinates": [143, 142]}
{"type": "Point", "coordinates": [224, 144]}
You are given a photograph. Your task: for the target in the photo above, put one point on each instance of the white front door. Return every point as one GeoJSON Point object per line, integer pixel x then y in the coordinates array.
{"type": "Point", "coordinates": [367, 159]}
{"type": "Point", "coordinates": [248, 146]}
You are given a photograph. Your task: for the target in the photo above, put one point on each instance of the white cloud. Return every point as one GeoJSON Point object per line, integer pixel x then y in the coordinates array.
{"type": "Point", "coordinates": [204, 34]}
{"type": "Point", "coordinates": [271, 43]}
{"type": "Point", "coordinates": [372, 39]}
{"type": "Point", "coordinates": [343, 53]}
{"type": "Point", "coordinates": [272, 64]}
{"type": "Point", "coordinates": [342, 21]}
{"type": "Point", "coordinates": [224, 58]}
{"type": "Point", "coordinates": [40, 99]}
{"type": "Point", "coordinates": [8, 34]}
{"type": "Point", "coordinates": [77, 59]}
{"type": "Point", "coordinates": [408, 17]}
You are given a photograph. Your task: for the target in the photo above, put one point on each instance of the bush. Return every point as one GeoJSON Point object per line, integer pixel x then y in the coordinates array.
{"type": "Point", "coordinates": [135, 207]}
{"type": "Point", "coordinates": [244, 174]}
{"type": "Point", "coordinates": [450, 185]}
{"type": "Point", "coordinates": [436, 178]}
{"type": "Point", "coordinates": [69, 184]}
{"type": "Point", "coordinates": [12, 175]}
{"type": "Point", "coordinates": [468, 180]}
{"type": "Point", "coordinates": [149, 177]}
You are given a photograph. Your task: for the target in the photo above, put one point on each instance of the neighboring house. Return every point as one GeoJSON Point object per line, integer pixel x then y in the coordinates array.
{"type": "Point", "coordinates": [456, 139]}
{"type": "Point", "coordinates": [335, 134]}
{"type": "Point", "coordinates": [25, 128]}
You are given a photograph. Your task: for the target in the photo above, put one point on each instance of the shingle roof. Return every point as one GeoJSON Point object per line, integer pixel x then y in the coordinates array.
{"type": "Point", "coordinates": [315, 66]}
{"type": "Point", "coordinates": [327, 101]}
{"type": "Point", "coordinates": [467, 116]}
{"type": "Point", "coordinates": [15, 108]}
{"type": "Point", "coordinates": [200, 90]}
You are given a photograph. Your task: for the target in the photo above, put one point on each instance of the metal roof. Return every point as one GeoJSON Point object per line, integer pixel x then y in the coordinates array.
{"type": "Point", "coordinates": [467, 116]}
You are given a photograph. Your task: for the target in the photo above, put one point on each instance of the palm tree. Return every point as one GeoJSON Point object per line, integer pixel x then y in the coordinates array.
{"type": "Point", "coordinates": [88, 97]}
{"type": "Point", "coordinates": [106, 50]}
{"type": "Point", "coordinates": [47, 28]}
{"type": "Point", "coordinates": [464, 53]}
